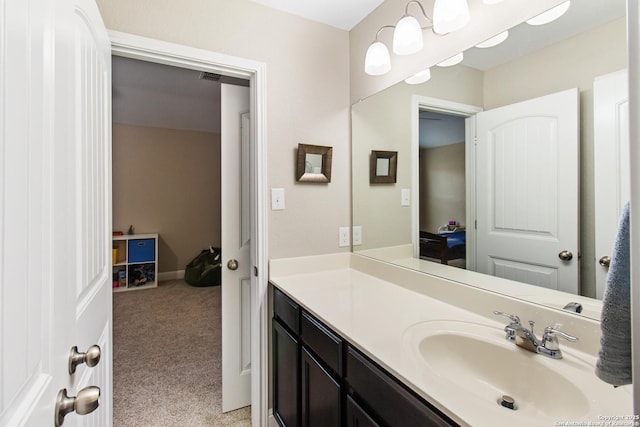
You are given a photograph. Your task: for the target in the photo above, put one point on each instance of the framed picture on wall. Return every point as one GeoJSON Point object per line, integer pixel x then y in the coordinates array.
{"type": "Point", "coordinates": [314, 163]}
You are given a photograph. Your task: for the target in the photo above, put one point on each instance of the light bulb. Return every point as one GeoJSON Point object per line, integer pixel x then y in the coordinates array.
{"type": "Point", "coordinates": [407, 37]}
{"type": "Point", "coordinates": [450, 15]}
{"type": "Point", "coordinates": [420, 77]}
{"type": "Point", "coordinates": [494, 41]}
{"type": "Point", "coordinates": [377, 60]}
{"type": "Point", "coordinates": [550, 15]}
{"type": "Point", "coordinates": [456, 59]}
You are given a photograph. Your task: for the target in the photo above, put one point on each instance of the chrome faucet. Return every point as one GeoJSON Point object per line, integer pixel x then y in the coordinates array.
{"type": "Point", "coordinates": [526, 338]}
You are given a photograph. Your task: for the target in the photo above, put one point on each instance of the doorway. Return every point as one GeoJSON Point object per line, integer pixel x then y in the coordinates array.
{"type": "Point", "coordinates": [450, 128]}
{"type": "Point", "coordinates": [442, 213]}
{"type": "Point", "coordinates": [190, 58]}
{"type": "Point", "coordinates": [168, 144]}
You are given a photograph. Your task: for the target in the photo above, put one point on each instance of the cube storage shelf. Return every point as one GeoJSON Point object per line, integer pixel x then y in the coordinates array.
{"type": "Point", "coordinates": [135, 262]}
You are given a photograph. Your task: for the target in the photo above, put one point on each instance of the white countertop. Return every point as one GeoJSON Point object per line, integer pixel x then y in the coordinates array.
{"type": "Point", "coordinates": [373, 314]}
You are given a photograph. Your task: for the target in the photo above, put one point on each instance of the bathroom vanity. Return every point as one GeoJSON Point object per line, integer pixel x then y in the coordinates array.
{"type": "Point", "coordinates": [321, 379]}
{"type": "Point", "coordinates": [360, 342]}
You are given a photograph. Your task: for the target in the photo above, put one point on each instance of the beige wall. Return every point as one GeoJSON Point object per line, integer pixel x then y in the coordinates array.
{"type": "Point", "coordinates": [442, 186]}
{"type": "Point", "coordinates": [167, 181]}
{"type": "Point", "coordinates": [307, 99]}
{"type": "Point", "coordinates": [487, 21]}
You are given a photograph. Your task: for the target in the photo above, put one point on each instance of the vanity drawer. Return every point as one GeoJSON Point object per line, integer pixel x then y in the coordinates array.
{"type": "Point", "coordinates": [286, 310]}
{"type": "Point", "coordinates": [393, 403]}
{"type": "Point", "coordinates": [322, 341]}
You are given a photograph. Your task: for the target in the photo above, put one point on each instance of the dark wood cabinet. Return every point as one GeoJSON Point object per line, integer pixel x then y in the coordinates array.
{"type": "Point", "coordinates": [320, 394]}
{"type": "Point", "coordinates": [320, 380]}
{"type": "Point", "coordinates": [286, 396]}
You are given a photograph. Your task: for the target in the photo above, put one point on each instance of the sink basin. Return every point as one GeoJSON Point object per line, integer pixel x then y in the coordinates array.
{"type": "Point", "coordinates": [475, 365]}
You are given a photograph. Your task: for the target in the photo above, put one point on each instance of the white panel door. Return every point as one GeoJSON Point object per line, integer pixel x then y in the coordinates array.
{"type": "Point", "coordinates": [527, 191]}
{"type": "Point", "coordinates": [236, 246]}
{"type": "Point", "coordinates": [85, 103]}
{"type": "Point", "coordinates": [55, 207]}
{"type": "Point", "coordinates": [611, 164]}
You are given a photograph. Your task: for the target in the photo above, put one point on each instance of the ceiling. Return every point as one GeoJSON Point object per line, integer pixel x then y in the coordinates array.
{"type": "Point", "coordinates": [156, 95]}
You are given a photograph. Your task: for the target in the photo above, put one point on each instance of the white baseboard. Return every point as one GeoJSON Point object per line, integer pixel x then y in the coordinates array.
{"type": "Point", "coordinates": [170, 275]}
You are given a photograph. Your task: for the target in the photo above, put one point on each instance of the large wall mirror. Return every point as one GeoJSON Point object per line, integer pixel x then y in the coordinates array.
{"type": "Point", "coordinates": [432, 126]}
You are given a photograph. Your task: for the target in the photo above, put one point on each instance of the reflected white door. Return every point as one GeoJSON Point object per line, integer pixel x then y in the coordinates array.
{"type": "Point", "coordinates": [55, 199]}
{"type": "Point", "coordinates": [527, 191]}
{"type": "Point", "coordinates": [611, 164]}
{"type": "Point", "coordinates": [236, 246]}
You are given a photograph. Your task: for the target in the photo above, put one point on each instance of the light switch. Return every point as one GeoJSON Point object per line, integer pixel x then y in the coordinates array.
{"type": "Point", "coordinates": [405, 198]}
{"type": "Point", "coordinates": [277, 199]}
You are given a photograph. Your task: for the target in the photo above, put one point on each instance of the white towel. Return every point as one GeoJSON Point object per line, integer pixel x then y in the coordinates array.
{"type": "Point", "coordinates": [614, 361]}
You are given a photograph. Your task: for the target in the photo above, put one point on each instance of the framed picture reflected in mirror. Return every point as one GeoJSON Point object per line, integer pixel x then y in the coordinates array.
{"type": "Point", "coordinates": [383, 167]}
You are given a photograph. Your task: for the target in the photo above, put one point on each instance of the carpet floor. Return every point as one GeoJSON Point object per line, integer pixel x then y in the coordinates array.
{"type": "Point", "coordinates": [167, 358]}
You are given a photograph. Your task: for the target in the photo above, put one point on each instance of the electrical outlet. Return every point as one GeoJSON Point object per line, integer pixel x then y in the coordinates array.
{"type": "Point", "coordinates": [343, 237]}
{"type": "Point", "coordinates": [277, 199]}
{"type": "Point", "coordinates": [357, 235]}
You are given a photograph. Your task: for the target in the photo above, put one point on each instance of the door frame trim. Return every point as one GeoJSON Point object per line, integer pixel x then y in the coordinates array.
{"type": "Point", "coordinates": [152, 50]}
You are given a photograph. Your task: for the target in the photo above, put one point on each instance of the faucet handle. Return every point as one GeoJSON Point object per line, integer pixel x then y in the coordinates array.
{"type": "Point", "coordinates": [549, 346]}
{"type": "Point", "coordinates": [514, 319]}
{"type": "Point", "coordinates": [550, 334]}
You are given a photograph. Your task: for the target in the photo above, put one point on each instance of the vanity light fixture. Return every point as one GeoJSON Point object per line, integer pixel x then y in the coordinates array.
{"type": "Point", "coordinates": [494, 41]}
{"type": "Point", "coordinates": [419, 78]}
{"type": "Point", "coordinates": [377, 60]}
{"type": "Point", "coordinates": [407, 36]}
{"type": "Point", "coordinates": [456, 59]}
{"type": "Point", "coordinates": [450, 15]}
{"type": "Point", "coordinates": [550, 15]}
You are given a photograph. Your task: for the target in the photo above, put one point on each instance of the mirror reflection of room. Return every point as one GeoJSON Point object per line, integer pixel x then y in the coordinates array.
{"type": "Point", "coordinates": [590, 51]}
{"type": "Point", "coordinates": [441, 183]}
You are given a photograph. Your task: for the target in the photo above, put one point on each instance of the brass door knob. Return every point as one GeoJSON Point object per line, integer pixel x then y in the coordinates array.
{"type": "Point", "coordinates": [232, 264]}
{"type": "Point", "coordinates": [605, 261]}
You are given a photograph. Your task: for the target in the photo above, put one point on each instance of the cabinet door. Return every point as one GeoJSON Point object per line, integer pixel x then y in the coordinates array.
{"type": "Point", "coordinates": [320, 394]}
{"type": "Point", "coordinates": [357, 417]}
{"type": "Point", "coordinates": [286, 384]}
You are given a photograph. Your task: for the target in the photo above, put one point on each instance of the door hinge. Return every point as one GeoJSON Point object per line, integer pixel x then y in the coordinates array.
{"type": "Point", "coordinates": [255, 271]}
{"type": "Point", "coordinates": [475, 225]}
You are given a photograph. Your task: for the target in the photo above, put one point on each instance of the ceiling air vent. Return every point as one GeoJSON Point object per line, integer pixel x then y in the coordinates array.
{"type": "Point", "coordinates": [219, 78]}
{"type": "Point", "coordinates": [210, 76]}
